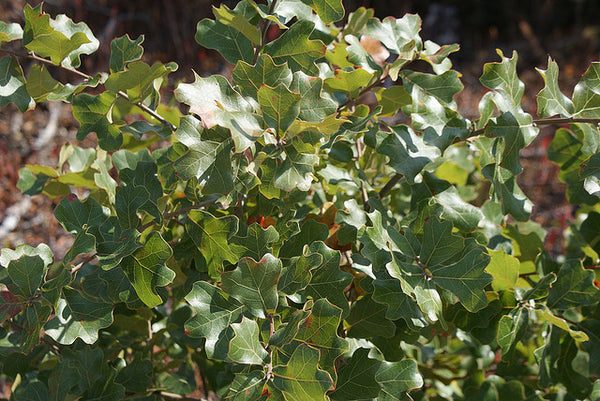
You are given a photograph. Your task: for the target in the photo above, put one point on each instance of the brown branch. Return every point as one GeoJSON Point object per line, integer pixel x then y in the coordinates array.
{"type": "Point", "coordinates": [390, 185]}
{"type": "Point", "coordinates": [82, 262]}
{"type": "Point", "coordinates": [87, 77]}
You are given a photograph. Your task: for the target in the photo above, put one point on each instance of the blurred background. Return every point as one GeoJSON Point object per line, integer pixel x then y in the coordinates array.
{"type": "Point", "coordinates": [568, 30]}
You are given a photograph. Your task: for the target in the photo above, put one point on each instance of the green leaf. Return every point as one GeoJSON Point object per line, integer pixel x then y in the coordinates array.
{"type": "Point", "coordinates": [13, 85]}
{"type": "Point", "coordinates": [249, 78]}
{"type": "Point", "coordinates": [586, 101]}
{"type": "Point", "coordinates": [400, 36]}
{"type": "Point", "coordinates": [319, 329]}
{"type": "Point", "coordinates": [550, 99]}
{"type": "Point", "coordinates": [40, 83]}
{"type": "Point", "coordinates": [136, 375]}
{"type": "Point", "coordinates": [507, 191]}
{"type": "Point", "coordinates": [315, 105]}
{"type": "Point", "coordinates": [505, 270]}
{"type": "Point", "coordinates": [295, 171]}
{"type": "Point", "coordinates": [328, 280]}
{"type": "Point", "coordinates": [279, 107]}
{"type": "Point", "coordinates": [75, 215]}
{"type": "Point", "coordinates": [217, 103]}
{"type": "Point", "coordinates": [79, 315]}
{"type": "Point", "coordinates": [463, 215]}
{"type": "Point", "coordinates": [257, 241]}
{"type": "Point", "coordinates": [407, 152]}
{"type": "Point", "coordinates": [396, 378]}
{"type": "Point", "coordinates": [137, 80]}
{"type": "Point", "coordinates": [32, 391]}
{"type": "Point", "coordinates": [94, 115]}
{"type": "Point", "coordinates": [350, 82]}
{"type": "Point", "coordinates": [227, 40]}
{"type": "Point", "coordinates": [328, 10]}
{"type": "Point", "coordinates": [512, 328]}
{"type": "Point", "coordinates": [247, 387]}
{"type": "Point", "coordinates": [208, 157]}
{"type": "Point", "coordinates": [128, 201]}
{"type": "Point", "coordinates": [357, 21]}
{"type": "Point", "coordinates": [392, 99]}
{"type": "Point", "coordinates": [211, 236]}
{"type": "Point", "coordinates": [146, 269]}
{"type": "Point", "coordinates": [238, 22]}
{"type": "Point", "coordinates": [566, 151]}
{"type": "Point", "coordinates": [214, 312]}
{"type": "Point", "coordinates": [574, 286]}
{"type": "Point", "coordinates": [437, 56]}
{"type": "Point", "coordinates": [124, 50]}
{"type": "Point", "coordinates": [295, 48]}
{"type": "Point", "coordinates": [356, 379]}
{"type": "Point", "coordinates": [399, 304]}
{"type": "Point", "coordinates": [245, 346]}
{"type": "Point", "coordinates": [442, 87]}
{"type": "Point", "coordinates": [455, 263]}
{"type": "Point", "coordinates": [8, 255]}
{"type": "Point", "coordinates": [513, 125]}
{"type": "Point", "coordinates": [254, 284]}
{"type": "Point", "coordinates": [297, 275]}
{"type": "Point", "coordinates": [358, 56]}
{"type": "Point", "coordinates": [10, 32]}
{"type": "Point", "coordinates": [577, 335]}
{"type": "Point", "coordinates": [27, 274]}
{"type": "Point", "coordinates": [367, 319]}
{"type": "Point", "coordinates": [301, 379]}
{"type": "Point", "coordinates": [394, 33]}
{"type": "Point", "coordinates": [61, 40]}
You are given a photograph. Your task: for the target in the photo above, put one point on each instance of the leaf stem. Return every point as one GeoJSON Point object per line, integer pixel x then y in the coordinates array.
{"type": "Point", "coordinates": [122, 94]}
{"type": "Point", "coordinates": [264, 29]}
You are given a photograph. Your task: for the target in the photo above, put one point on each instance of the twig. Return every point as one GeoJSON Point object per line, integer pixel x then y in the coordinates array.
{"type": "Point", "coordinates": [89, 77]}
{"type": "Point", "coordinates": [547, 121]}
{"type": "Point", "coordinates": [390, 185]}
{"type": "Point", "coordinates": [375, 84]}
{"type": "Point", "coordinates": [83, 261]}
{"type": "Point", "coordinates": [264, 29]}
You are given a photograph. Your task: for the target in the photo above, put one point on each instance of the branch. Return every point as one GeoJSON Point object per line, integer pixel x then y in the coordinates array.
{"type": "Point", "coordinates": [89, 77]}
{"type": "Point", "coordinates": [547, 121]}
{"type": "Point", "coordinates": [264, 29]}
{"type": "Point", "coordinates": [390, 185]}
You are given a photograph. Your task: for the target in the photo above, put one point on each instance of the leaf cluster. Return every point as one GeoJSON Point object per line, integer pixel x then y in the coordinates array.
{"type": "Point", "coordinates": [322, 224]}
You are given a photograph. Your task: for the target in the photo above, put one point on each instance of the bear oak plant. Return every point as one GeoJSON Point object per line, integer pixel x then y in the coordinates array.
{"type": "Point", "coordinates": [285, 239]}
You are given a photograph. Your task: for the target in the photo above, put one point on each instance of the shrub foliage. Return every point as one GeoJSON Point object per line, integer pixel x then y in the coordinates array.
{"type": "Point", "coordinates": [323, 224]}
